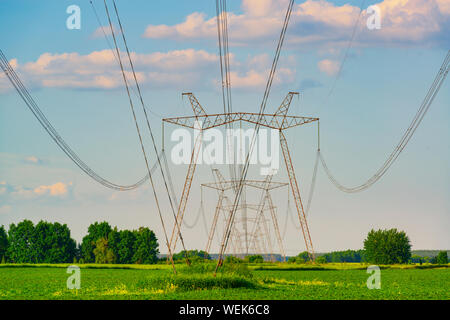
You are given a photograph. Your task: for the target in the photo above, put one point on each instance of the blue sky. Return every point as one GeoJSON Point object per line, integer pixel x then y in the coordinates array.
{"type": "Point", "coordinates": [386, 75]}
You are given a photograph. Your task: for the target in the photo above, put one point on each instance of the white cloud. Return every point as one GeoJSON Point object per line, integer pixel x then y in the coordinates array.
{"type": "Point", "coordinates": [330, 67]}
{"type": "Point", "coordinates": [174, 69]}
{"type": "Point", "coordinates": [57, 189]}
{"type": "Point", "coordinates": [10, 192]}
{"type": "Point", "coordinates": [410, 22]}
{"type": "Point", "coordinates": [34, 160]}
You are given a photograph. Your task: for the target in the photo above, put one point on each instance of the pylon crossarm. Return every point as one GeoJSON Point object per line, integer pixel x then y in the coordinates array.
{"type": "Point", "coordinates": [271, 121]}
{"type": "Point", "coordinates": [259, 184]}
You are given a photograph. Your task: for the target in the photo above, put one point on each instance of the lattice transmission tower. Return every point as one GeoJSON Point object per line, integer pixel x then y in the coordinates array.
{"type": "Point", "coordinates": [260, 237]}
{"type": "Point", "coordinates": [280, 120]}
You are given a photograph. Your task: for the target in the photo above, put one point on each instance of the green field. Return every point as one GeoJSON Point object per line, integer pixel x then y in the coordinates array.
{"type": "Point", "coordinates": [267, 281]}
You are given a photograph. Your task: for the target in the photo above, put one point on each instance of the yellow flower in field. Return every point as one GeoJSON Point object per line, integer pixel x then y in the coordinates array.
{"type": "Point", "coordinates": [313, 283]}
{"type": "Point", "coordinates": [171, 287]}
{"type": "Point", "coordinates": [339, 284]}
{"type": "Point", "coordinates": [158, 291]}
{"type": "Point", "coordinates": [119, 290]}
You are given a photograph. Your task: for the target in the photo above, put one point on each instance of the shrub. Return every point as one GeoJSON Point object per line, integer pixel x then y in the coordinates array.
{"type": "Point", "coordinates": [185, 282]}
{"type": "Point", "coordinates": [233, 259]}
{"type": "Point", "coordinates": [442, 257]}
{"type": "Point", "coordinates": [257, 258]}
{"type": "Point", "coordinates": [321, 260]}
{"type": "Point", "coordinates": [387, 247]}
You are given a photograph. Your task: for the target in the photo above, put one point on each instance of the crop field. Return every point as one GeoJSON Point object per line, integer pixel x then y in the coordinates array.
{"type": "Point", "coordinates": [267, 281]}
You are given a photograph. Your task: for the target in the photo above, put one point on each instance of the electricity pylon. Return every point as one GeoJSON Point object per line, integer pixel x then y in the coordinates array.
{"type": "Point", "coordinates": [279, 121]}
{"type": "Point", "coordinates": [266, 204]}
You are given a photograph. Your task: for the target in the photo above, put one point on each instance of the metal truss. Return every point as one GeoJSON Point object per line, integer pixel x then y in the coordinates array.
{"type": "Point", "coordinates": [278, 121]}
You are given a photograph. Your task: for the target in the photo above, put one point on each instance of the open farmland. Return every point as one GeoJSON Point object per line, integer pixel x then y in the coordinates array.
{"type": "Point", "coordinates": [267, 281]}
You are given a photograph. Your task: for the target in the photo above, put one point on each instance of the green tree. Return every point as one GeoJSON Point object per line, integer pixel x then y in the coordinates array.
{"type": "Point", "coordinates": [345, 256]}
{"type": "Point", "coordinates": [53, 244]}
{"type": "Point", "coordinates": [103, 254]}
{"type": "Point", "coordinates": [44, 243]}
{"type": "Point", "coordinates": [125, 246]}
{"type": "Point", "coordinates": [387, 247]}
{"type": "Point", "coordinates": [233, 259]}
{"type": "Point", "coordinates": [145, 247]}
{"type": "Point", "coordinates": [95, 231]}
{"type": "Point", "coordinates": [416, 259]}
{"type": "Point", "coordinates": [321, 260]}
{"type": "Point", "coordinates": [442, 257]}
{"type": "Point", "coordinates": [21, 248]}
{"type": "Point", "coordinates": [3, 243]}
{"type": "Point", "coordinates": [302, 257]}
{"type": "Point", "coordinates": [256, 258]}
{"type": "Point", "coordinates": [193, 255]}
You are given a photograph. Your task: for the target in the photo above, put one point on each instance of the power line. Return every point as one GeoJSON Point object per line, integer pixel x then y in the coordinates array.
{"type": "Point", "coordinates": [53, 133]}
{"type": "Point", "coordinates": [224, 55]}
{"type": "Point", "coordinates": [257, 126]}
{"type": "Point", "coordinates": [112, 50]}
{"type": "Point", "coordinates": [313, 183]}
{"type": "Point", "coordinates": [144, 109]}
{"type": "Point", "coordinates": [426, 103]}
{"type": "Point", "coordinates": [344, 59]}
{"type": "Point", "coordinates": [140, 136]}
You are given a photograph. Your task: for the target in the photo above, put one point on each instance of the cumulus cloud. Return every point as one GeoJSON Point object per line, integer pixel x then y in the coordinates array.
{"type": "Point", "coordinates": [34, 160]}
{"type": "Point", "coordinates": [10, 192]}
{"type": "Point", "coordinates": [330, 67]}
{"type": "Point", "coordinates": [174, 69]}
{"type": "Point", "coordinates": [404, 22]}
{"type": "Point", "coordinates": [57, 189]}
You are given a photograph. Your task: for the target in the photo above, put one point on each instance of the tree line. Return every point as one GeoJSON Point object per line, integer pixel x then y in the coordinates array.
{"type": "Point", "coordinates": [48, 242]}
{"type": "Point", "coordinates": [380, 247]}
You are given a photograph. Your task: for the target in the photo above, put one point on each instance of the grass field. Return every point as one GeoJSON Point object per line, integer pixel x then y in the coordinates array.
{"type": "Point", "coordinates": [267, 281]}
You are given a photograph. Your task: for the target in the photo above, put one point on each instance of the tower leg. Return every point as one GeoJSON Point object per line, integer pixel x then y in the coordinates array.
{"type": "Point", "coordinates": [275, 224]}
{"type": "Point", "coordinates": [186, 190]}
{"type": "Point", "coordinates": [296, 195]}
{"type": "Point", "coordinates": [214, 224]}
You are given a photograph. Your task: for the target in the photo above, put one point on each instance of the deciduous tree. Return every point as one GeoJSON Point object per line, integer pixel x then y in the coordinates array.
{"type": "Point", "coordinates": [442, 257]}
{"type": "Point", "coordinates": [145, 247]}
{"type": "Point", "coordinates": [3, 243]}
{"type": "Point", "coordinates": [387, 247]}
{"type": "Point", "coordinates": [95, 231]}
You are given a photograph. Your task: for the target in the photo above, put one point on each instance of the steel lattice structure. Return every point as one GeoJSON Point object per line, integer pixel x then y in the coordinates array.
{"type": "Point", "coordinates": [266, 204]}
{"type": "Point", "coordinates": [278, 121]}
